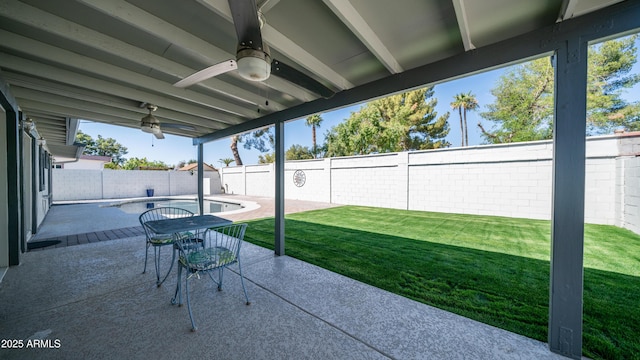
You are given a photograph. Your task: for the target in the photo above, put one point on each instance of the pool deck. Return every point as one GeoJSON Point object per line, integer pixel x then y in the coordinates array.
{"type": "Point", "coordinates": [71, 223]}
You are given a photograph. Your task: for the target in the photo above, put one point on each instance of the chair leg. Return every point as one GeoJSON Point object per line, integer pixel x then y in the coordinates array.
{"type": "Point", "coordinates": [246, 297]}
{"type": "Point", "coordinates": [157, 261]}
{"type": "Point", "coordinates": [146, 256]}
{"type": "Point", "coordinates": [220, 273]}
{"type": "Point", "coordinates": [193, 323]}
{"type": "Point", "coordinates": [177, 296]}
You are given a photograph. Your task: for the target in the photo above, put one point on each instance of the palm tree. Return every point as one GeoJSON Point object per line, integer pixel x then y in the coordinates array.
{"type": "Point", "coordinates": [234, 149]}
{"type": "Point", "coordinates": [464, 102]}
{"type": "Point", "coordinates": [226, 161]}
{"type": "Point", "coordinates": [314, 121]}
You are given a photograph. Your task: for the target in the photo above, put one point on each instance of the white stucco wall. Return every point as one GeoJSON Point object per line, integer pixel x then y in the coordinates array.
{"type": "Point", "coordinates": [513, 180]}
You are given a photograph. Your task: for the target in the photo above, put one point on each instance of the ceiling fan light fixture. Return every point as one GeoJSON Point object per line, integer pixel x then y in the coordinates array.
{"type": "Point", "coordinates": [254, 65]}
{"type": "Point", "coordinates": [148, 128]}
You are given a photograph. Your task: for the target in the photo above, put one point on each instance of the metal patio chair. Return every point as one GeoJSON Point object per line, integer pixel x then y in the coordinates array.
{"type": "Point", "coordinates": [220, 249]}
{"type": "Point", "coordinates": [157, 241]}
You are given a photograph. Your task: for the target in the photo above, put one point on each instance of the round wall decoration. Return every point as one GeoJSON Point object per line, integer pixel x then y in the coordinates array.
{"type": "Point", "coordinates": [299, 178]}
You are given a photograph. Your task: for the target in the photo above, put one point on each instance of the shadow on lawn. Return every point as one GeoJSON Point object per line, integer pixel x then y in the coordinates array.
{"type": "Point", "coordinates": [510, 292]}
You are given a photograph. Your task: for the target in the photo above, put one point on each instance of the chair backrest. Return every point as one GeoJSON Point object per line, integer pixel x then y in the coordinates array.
{"type": "Point", "coordinates": [220, 247]}
{"type": "Point", "coordinates": [159, 214]}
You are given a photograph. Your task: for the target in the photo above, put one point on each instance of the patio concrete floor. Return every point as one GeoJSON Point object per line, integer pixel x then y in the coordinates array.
{"type": "Point", "coordinates": [92, 301]}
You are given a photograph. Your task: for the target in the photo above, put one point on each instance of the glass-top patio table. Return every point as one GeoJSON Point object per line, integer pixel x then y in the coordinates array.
{"type": "Point", "coordinates": [176, 227]}
{"type": "Point", "coordinates": [182, 224]}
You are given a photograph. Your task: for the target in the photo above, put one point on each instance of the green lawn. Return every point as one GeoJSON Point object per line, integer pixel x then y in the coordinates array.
{"type": "Point", "coordinates": [491, 269]}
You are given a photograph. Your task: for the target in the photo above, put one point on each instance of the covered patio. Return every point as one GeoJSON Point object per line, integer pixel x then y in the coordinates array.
{"type": "Point", "coordinates": [94, 303]}
{"type": "Point", "coordinates": [119, 62]}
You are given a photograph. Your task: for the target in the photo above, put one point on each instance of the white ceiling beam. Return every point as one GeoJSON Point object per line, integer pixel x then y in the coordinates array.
{"type": "Point", "coordinates": [46, 107]}
{"type": "Point", "coordinates": [352, 19]}
{"type": "Point", "coordinates": [206, 52]}
{"type": "Point", "coordinates": [133, 114]}
{"type": "Point", "coordinates": [42, 20]}
{"type": "Point", "coordinates": [30, 105]}
{"type": "Point", "coordinates": [567, 9]}
{"type": "Point", "coordinates": [85, 64]}
{"type": "Point", "coordinates": [85, 82]}
{"type": "Point", "coordinates": [287, 47]}
{"type": "Point", "coordinates": [463, 24]}
{"type": "Point", "coordinates": [266, 5]}
{"type": "Point", "coordinates": [22, 81]}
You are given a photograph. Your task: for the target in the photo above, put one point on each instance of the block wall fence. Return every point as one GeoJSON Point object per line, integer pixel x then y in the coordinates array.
{"type": "Point", "coordinates": [513, 180]}
{"type": "Point", "coordinates": [76, 184]}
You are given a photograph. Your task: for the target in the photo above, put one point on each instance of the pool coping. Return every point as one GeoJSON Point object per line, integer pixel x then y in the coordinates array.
{"type": "Point", "coordinates": [247, 205]}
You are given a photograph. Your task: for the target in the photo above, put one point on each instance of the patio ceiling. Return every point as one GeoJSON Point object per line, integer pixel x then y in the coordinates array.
{"type": "Point", "coordinates": [105, 60]}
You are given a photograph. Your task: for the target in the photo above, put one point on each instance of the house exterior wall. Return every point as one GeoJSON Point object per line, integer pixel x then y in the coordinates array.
{"type": "Point", "coordinates": [4, 198]}
{"type": "Point", "coordinates": [513, 180]}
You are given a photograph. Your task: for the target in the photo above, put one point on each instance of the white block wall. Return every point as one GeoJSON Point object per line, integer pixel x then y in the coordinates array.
{"type": "Point", "coordinates": [506, 180]}
{"type": "Point", "coordinates": [115, 184]}
{"type": "Point", "coordinates": [77, 184]}
{"type": "Point", "coordinates": [260, 180]}
{"type": "Point", "coordinates": [513, 180]}
{"type": "Point", "coordinates": [317, 186]}
{"type": "Point", "coordinates": [374, 180]}
{"type": "Point", "coordinates": [631, 210]}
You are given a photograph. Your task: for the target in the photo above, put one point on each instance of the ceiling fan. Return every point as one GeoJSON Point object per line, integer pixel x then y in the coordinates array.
{"type": "Point", "coordinates": [150, 124]}
{"type": "Point", "coordinates": [253, 59]}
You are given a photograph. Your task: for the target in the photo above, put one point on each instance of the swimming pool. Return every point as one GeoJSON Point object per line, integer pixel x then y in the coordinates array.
{"type": "Point", "coordinates": [210, 206]}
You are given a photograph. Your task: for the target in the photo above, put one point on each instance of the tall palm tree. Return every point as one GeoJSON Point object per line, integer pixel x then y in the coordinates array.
{"type": "Point", "coordinates": [234, 149]}
{"type": "Point", "coordinates": [314, 121]}
{"type": "Point", "coordinates": [226, 161]}
{"type": "Point", "coordinates": [464, 102]}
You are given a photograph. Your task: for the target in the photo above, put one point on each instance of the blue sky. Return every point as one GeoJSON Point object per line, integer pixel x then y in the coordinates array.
{"type": "Point", "coordinates": [173, 149]}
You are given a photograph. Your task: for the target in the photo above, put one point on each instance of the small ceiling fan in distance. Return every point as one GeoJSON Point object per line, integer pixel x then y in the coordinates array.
{"type": "Point", "coordinates": [151, 124]}
{"type": "Point", "coordinates": [253, 59]}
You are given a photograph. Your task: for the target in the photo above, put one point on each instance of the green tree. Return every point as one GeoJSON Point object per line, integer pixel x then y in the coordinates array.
{"type": "Point", "coordinates": [226, 161]}
{"type": "Point", "coordinates": [464, 102]}
{"type": "Point", "coordinates": [523, 109]}
{"type": "Point", "coordinates": [314, 122]}
{"type": "Point", "coordinates": [402, 122]}
{"type": "Point", "coordinates": [299, 152]}
{"type": "Point", "coordinates": [103, 147]}
{"type": "Point", "coordinates": [267, 158]}
{"type": "Point", "coordinates": [610, 64]}
{"type": "Point", "coordinates": [135, 163]}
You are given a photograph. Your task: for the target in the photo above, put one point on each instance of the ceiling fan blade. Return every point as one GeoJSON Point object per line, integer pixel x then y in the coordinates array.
{"type": "Point", "coordinates": [245, 19]}
{"type": "Point", "coordinates": [290, 74]}
{"type": "Point", "coordinates": [177, 126]}
{"type": "Point", "coordinates": [211, 71]}
{"type": "Point", "coordinates": [157, 132]}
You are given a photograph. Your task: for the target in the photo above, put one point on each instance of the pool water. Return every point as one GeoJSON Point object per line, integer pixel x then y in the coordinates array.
{"type": "Point", "coordinates": [210, 206]}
